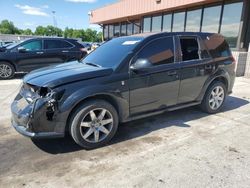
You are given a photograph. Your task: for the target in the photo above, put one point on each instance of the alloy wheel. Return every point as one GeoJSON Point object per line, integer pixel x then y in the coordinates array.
{"type": "Point", "coordinates": [96, 125]}
{"type": "Point", "coordinates": [5, 71]}
{"type": "Point", "coordinates": [216, 97]}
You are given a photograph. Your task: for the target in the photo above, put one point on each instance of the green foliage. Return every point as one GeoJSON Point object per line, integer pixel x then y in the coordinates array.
{"type": "Point", "coordinates": [89, 35]}
{"type": "Point", "coordinates": [26, 32]}
{"type": "Point", "coordinates": [74, 33]}
{"type": "Point", "coordinates": [48, 31]}
{"type": "Point", "coordinates": [7, 27]}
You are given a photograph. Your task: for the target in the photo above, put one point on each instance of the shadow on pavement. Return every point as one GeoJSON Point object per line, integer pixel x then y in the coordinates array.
{"type": "Point", "coordinates": [140, 127]}
{"type": "Point", "coordinates": [19, 75]}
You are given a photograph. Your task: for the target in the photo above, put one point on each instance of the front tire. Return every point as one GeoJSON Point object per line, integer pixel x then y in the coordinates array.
{"type": "Point", "coordinates": [94, 124]}
{"type": "Point", "coordinates": [7, 70]}
{"type": "Point", "coordinates": [214, 98]}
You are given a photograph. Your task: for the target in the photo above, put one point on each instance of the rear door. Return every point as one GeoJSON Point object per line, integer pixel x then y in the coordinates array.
{"type": "Point", "coordinates": [157, 88]}
{"type": "Point", "coordinates": [57, 50]}
{"type": "Point", "coordinates": [196, 66]}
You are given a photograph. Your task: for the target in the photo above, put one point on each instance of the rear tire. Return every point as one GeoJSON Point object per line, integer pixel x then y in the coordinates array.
{"type": "Point", "coordinates": [214, 98]}
{"type": "Point", "coordinates": [7, 70]}
{"type": "Point", "coordinates": [94, 124]}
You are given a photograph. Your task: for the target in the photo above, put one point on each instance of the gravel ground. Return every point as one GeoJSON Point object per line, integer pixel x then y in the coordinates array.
{"type": "Point", "coordinates": [185, 148]}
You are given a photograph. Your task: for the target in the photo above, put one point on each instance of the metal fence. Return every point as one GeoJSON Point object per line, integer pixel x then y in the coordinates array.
{"type": "Point", "coordinates": [16, 38]}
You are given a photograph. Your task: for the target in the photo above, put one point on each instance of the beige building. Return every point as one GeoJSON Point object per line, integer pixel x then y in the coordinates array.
{"type": "Point", "coordinates": [127, 17]}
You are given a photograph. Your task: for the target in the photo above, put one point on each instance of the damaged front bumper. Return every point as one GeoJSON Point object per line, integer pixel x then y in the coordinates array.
{"type": "Point", "coordinates": [34, 116]}
{"type": "Point", "coordinates": [26, 132]}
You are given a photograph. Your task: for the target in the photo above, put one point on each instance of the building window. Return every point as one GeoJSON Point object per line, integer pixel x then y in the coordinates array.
{"type": "Point", "coordinates": [156, 23]}
{"type": "Point", "coordinates": [147, 24]}
{"type": "Point", "coordinates": [179, 20]}
{"type": "Point", "coordinates": [117, 30]}
{"type": "Point", "coordinates": [111, 31]}
{"type": "Point", "coordinates": [137, 27]}
{"type": "Point", "coordinates": [193, 20]}
{"type": "Point", "coordinates": [231, 23]}
{"type": "Point", "coordinates": [167, 22]}
{"type": "Point", "coordinates": [123, 29]}
{"type": "Point", "coordinates": [105, 32]}
{"type": "Point", "coordinates": [211, 19]}
{"type": "Point", "coordinates": [129, 29]}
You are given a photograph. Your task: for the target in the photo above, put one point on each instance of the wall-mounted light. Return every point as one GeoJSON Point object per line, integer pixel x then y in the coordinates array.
{"type": "Point", "coordinates": [90, 13]}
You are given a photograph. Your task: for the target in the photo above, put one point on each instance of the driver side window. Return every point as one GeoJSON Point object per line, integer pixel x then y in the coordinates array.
{"type": "Point", "coordinates": [159, 51]}
{"type": "Point", "coordinates": [33, 45]}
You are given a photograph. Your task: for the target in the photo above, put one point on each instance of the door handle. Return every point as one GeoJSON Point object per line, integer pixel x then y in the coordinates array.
{"type": "Point", "coordinates": [65, 51]}
{"type": "Point", "coordinates": [39, 52]}
{"type": "Point", "coordinates": [172, 73]}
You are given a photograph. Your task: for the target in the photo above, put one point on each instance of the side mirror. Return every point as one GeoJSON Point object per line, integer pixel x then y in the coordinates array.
{"type": "Point", "coordinates": [21, 50]}
{"type": "Point", "coordinates": [141, 66]}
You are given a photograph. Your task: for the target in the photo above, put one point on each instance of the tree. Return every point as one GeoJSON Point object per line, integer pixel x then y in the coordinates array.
{"type": "Point", "coordinates": [68, 33]}
{"type": "Point", "coordinates": [48, 31]}
{"type": "Point", "coordinates": [90, 35]}
{"type": "Point", "coordinates": [7, 27]}
{"type": "Point", "coordinates": [27, 32]}
{"type": "Point", "coordinates": [53, 31]}
{"type": "Point", "coordinates": [40, 30]}
{"type": "Point", "coordinates": [99, 37]}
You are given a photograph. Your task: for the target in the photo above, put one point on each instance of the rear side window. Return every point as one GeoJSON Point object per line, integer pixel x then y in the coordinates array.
{"type": "Point", "coordinates": [217, 46]}
{"type": "Point", "coordinates": [189, 48]}
{"type": "Point", "coordinates": [56, 44]}
{"type": "Point", "coordinates": [159, 51]}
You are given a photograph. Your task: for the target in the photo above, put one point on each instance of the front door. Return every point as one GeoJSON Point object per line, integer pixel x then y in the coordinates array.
{"type": "Point", "coordinates": [158, 87]}
{"type": "Point", "coordinates": [32, 56]}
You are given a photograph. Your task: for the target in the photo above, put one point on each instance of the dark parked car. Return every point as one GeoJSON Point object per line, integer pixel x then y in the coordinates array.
{"type": "Point", "coordinates": [36, 53]}
{"type": "Point", "coordinates": [124, 79]}
{"type": "Point", "coordinates": [86, 45]}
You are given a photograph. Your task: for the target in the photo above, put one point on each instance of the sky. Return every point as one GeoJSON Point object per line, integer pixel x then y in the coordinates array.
{"type": "Point", "coordinates": [68, 13]}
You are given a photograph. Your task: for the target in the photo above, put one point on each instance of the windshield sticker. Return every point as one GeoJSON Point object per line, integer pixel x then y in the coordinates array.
{"type": "Point", "coordinates": [132, 42]}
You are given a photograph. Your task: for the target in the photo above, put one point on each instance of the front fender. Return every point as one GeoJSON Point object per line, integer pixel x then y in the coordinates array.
{"type": "Point", "coordinates": [119, 97]}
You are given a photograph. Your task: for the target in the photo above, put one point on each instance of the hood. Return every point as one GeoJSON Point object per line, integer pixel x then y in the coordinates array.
{"type": "Point", "coordinates": [54, 76]}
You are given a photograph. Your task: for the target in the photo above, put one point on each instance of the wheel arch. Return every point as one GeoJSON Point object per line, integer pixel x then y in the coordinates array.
{"type": "Point", "coordinates": [106, 97]}
{"type": "Point", "coordinates": [10, 62]}
{"type": "Point", "coordinates": [223, 77]}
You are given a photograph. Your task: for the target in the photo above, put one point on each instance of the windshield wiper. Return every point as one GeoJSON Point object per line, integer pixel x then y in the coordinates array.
{"type": "Point", "coordinates": [93, 64]}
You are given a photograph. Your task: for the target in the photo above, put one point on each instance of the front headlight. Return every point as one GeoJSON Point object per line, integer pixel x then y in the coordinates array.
{"type": "Point", "coordinates": [45, 92]}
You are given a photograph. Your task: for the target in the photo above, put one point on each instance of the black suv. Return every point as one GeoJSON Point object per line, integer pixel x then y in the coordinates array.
{"type": "Point", "coordinates": [124, 79]}
{"type": "Point", "coordinates": [36, 53]}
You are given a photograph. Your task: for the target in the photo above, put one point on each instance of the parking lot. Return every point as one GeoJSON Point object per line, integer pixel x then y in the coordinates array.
{"type": "Point", "coordinates": [185, 148]}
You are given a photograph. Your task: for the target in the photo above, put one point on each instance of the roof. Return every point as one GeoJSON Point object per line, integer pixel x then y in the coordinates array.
{"type": "Point", "coordinates": [145, 35]}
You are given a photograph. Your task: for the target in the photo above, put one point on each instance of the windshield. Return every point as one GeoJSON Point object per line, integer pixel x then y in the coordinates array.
{"type": "Point", "coordinates": [13, 45]}
{"type": "Point", "coordinates": [113, 52]}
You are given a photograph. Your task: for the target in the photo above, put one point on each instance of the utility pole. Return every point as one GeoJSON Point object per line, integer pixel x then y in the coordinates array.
{"type": "Point", "coordinates": [54, 18]}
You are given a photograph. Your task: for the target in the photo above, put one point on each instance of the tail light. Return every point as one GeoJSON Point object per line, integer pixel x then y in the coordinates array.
{"type": "Point", "coordinates": [82, 49]}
